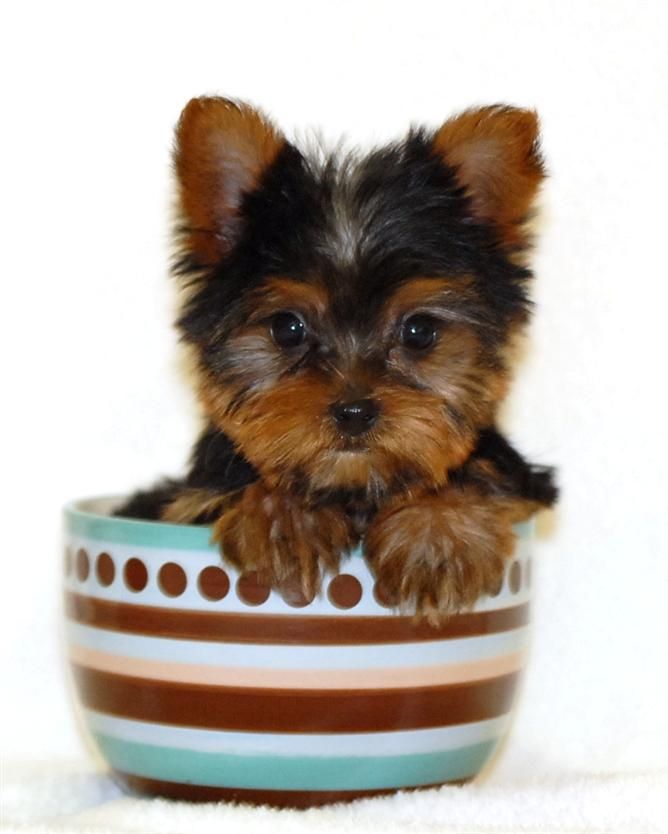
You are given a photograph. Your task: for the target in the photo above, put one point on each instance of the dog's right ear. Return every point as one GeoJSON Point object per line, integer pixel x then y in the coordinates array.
{"type": "Point", "coordinates": [495, 152]}
{"type": "Point", "coordinates": [222, 148]}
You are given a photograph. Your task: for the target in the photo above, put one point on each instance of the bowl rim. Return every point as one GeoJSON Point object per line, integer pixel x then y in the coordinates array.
{"type": "Point", "coordinates": [91, 518]}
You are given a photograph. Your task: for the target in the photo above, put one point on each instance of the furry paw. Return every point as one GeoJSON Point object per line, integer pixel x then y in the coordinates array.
{"type": "Point", "coordinates": [287, 544]}
{"type": "Point", "coordinates": [438, 554]}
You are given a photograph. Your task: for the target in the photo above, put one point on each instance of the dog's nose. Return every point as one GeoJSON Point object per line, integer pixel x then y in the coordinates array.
{"type": "Point", "coordinates": [355, 417]}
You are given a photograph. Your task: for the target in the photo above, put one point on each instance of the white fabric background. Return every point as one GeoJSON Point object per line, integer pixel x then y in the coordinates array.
{"type": "Point", "coordinates": [94, 398]}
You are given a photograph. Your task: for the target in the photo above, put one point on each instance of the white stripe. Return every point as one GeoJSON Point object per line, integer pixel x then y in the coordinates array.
{"type": "Point", "coordinates": [403, 742]}
{"type": "Point", "coordinates": [378, 656]}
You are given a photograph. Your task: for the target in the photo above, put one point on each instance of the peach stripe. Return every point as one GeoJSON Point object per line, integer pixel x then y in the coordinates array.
{"type": "Point", "coordinates": [412, 676]}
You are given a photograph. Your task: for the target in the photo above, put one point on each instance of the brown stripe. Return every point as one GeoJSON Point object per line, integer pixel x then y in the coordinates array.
{"type": "Point", "coordinates": [223, 627]}
{"type": "Point", "coordinates": [294, 710]}
{"type": "Point", "coordinates": [280, 799]}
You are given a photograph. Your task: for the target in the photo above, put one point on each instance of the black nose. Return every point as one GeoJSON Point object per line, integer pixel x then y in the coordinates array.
{"type": "Point", "coordinates": [356, 417]}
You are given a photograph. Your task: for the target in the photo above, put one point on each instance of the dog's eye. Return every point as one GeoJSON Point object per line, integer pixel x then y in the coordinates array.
{"type": "Point", "coordinates": [287, 330]}
{"type": "Point", "coordinates": [418, 332]}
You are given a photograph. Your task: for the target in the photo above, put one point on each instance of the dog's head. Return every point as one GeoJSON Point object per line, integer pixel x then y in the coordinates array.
{"type": "Point", "coordinates": [350, 314]}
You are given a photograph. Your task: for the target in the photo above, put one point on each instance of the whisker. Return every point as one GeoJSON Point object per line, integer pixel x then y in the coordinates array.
{"type": "Point", "coordinates": [332, 367]}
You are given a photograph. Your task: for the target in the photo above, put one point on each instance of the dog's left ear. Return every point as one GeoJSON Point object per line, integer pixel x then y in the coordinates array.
{"type": "Point", "coordinates": [496, 157]}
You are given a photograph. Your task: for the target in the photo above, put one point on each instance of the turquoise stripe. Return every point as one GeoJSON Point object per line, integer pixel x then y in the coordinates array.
{"type": "Point", "coordinates": [92, 525]}
{"type": "Point", "coordinates": [525, 529]}
{"type": "Point", "coordinates": [137, 533]}
{"type": "Point", "coordinates": [306, 773]}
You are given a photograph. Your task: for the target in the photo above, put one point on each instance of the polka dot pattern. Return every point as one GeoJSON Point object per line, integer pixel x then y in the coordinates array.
{"type": "Point", "coordinates": [135, 575]}
{"type": "Point", "coordinates": [294, 596]}
{"type": "Point", "coordinates": [172, 579]}
{"type": "Point", "coordinates": [345, 591]}
{"type": "Point", "coordinates": [105, 570]}
{"type": "Point", "coordinates": [251, 590]}
{"type": "Point", "coordinates": [213, 583]}
{"type": "Point", "coordinates": [82, 565]}
{"type": "Point", "coordinates": [384, 597]}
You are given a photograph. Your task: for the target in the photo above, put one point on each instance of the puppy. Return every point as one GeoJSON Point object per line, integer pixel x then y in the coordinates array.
{"type": "Point", "coordinates": [351, 317]}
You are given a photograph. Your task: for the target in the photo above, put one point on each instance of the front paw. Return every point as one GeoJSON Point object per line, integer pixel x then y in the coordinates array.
{"type": "Point", "coordinates": [438, 554]}
{"type": "Point", "coordinates": [286, 543]}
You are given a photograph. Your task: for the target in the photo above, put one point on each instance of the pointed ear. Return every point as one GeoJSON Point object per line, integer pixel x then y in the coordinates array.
{"type": "Point", "coordinates": [222, 148]}
{"type": "Point", "coordinates": [496, 156]}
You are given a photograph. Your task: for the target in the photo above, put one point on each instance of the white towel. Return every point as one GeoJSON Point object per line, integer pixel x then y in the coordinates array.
{"type": "Point", "coordinates": [71, 796]}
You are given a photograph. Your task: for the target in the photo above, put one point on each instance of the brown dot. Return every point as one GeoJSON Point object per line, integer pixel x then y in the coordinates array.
{"type": "Point", "coordinates": [172, 579]}
{"type": "Point", "coordinates": [105, 570]}
{"type": "Point", "coordinates": [213, 583]}
{"type": "Point", "coordinates": [384, 596]}
{"type": "Point", "coordinates": [135, 574]}
{"type": "Point", "coordinates": [251, 590]}
{"type": "Point", "coordinates": [496, 590]}
{"type": "Point", "coordinates": [515, 577]}
{"type": "Point", "coordinates": [344, 591]}
{"type": "Point", "coordinates": [68, 561]}
{"type": "Point", "coordinates": [294, 596]}
{"type": "Point", "coordinates": [528, 573]}
{"type": "Point", "coordinates": [83, 565]}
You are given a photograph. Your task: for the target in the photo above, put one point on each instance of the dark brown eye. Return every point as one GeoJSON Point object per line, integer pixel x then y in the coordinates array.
{"type": "Point", "coordinates": [418, 332]}
{"type": "Point", "coordinates": [287, 330]}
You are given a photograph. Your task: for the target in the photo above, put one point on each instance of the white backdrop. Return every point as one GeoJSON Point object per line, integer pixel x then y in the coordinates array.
{"type": "Point", "coordinates": [94, 399]}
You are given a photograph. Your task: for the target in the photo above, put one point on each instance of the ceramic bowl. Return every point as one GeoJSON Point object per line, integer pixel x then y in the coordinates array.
{"type": "Point", "coordinates": [195, 682]}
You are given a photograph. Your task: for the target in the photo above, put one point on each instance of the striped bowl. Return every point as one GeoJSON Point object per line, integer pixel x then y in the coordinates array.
{"type": "Point", "coordinates": [198, 683]}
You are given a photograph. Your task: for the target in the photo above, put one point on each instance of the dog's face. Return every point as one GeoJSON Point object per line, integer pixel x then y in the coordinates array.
{"type": "Point", "coordinates": [350, 314]}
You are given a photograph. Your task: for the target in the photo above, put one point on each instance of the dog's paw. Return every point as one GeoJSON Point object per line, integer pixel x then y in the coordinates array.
{"type": "Point", "coordinates": [285, 543]}
{"type": "Point", "coordinates": [438, 554]}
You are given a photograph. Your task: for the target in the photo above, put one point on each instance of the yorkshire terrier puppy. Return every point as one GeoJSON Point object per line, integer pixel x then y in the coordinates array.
{"type": "Point", "coordinates": [351, 317]}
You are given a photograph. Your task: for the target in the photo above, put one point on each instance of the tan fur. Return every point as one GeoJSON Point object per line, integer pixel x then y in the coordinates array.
{"type": "Point", "coordinates": [437, 554]}
{"type": "Point", "coordinates": [419, 294]}
{"type": "Point", "coordinates": [278, 294]}
{"type": "Point", "coordinates": [275, 535]}
{"type": "Point", "coordinates": [286, 429]}
{"type": "Point", "coordinates": [193, 504]}
{"type": "Point", "coordinates": [283, 424]}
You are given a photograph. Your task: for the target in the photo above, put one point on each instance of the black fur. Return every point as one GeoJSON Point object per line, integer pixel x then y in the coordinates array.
{"type": "Point", "coordinates": [513, 475]}
{"type": "Point", "coordinates": [214, 466]}
{"type": "Point", "coordinates": [149, 503]}
{"type": "Point", "coordinates": [409, 217]}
